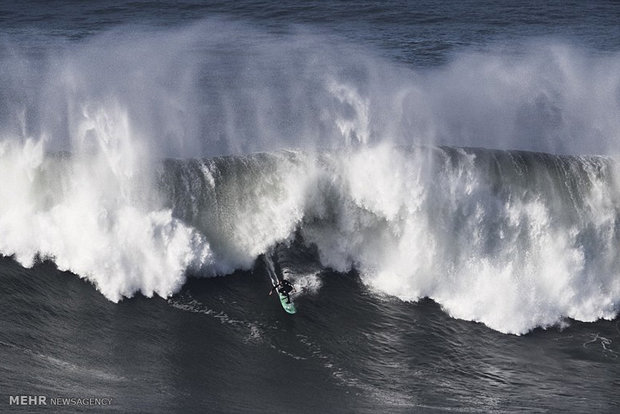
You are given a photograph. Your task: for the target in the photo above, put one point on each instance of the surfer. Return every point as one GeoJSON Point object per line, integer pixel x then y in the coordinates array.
{"type": "Point", "coordinates": [285, 288]}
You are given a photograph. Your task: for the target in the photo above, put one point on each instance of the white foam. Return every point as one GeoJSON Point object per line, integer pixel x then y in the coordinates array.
{"type": "Point", "coordinates": [88, 214]}
{"type": "Point", "coordinates": [508, 262]}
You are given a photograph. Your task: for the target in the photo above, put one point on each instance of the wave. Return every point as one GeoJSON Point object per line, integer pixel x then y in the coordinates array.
{"type": "Point", "coordinates": [512, 239]}
{"type": "Point", "coordinates": [133, 158]}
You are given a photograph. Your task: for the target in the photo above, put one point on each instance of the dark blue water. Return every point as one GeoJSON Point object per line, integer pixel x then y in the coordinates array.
{"type": "Point", "coordinates": [426, 32]}
{"type": "Point", "coordinates": [441, 279]}
{"type": "Point", "coordinates": [221, 346]}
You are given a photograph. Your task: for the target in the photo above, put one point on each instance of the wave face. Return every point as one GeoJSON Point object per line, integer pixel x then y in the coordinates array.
{"type": "Point", "coordinates": [267, 139]}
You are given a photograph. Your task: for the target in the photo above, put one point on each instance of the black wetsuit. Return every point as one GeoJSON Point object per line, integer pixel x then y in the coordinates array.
{"type": "Point", "coordinates": [285, 288]}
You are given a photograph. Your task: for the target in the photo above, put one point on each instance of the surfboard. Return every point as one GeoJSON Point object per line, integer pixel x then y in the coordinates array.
{"type": "Point", "coordinates": [289, 307]}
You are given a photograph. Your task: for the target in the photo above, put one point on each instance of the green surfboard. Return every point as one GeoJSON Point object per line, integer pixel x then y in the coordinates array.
{"type": "Point", "coordinates": [289, 307]}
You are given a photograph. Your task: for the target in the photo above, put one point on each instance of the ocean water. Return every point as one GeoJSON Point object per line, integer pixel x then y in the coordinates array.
{"type": "Point", "coordinates": [439, 181]}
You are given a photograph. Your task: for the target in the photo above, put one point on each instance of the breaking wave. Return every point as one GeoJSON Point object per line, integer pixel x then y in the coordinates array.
{"type": "Point", "coordinates": [134, 157]}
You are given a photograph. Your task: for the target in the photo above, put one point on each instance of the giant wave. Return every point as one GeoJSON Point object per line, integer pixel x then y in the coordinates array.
{"type": "Point", "coordinates": [113, 164]}
{"type": "Point", "coordinates": [512, 239]}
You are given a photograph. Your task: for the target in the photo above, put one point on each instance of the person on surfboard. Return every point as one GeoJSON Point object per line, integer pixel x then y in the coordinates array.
{"type": "Point", "coordinates": [285, 288]}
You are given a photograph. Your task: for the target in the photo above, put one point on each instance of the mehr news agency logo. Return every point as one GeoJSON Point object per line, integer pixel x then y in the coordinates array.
{"type": "Point", "coordinates": [42, 400]}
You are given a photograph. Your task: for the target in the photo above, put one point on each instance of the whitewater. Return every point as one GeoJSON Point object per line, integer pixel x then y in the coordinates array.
{"type": "Point", "coordinates": [139, 157]}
